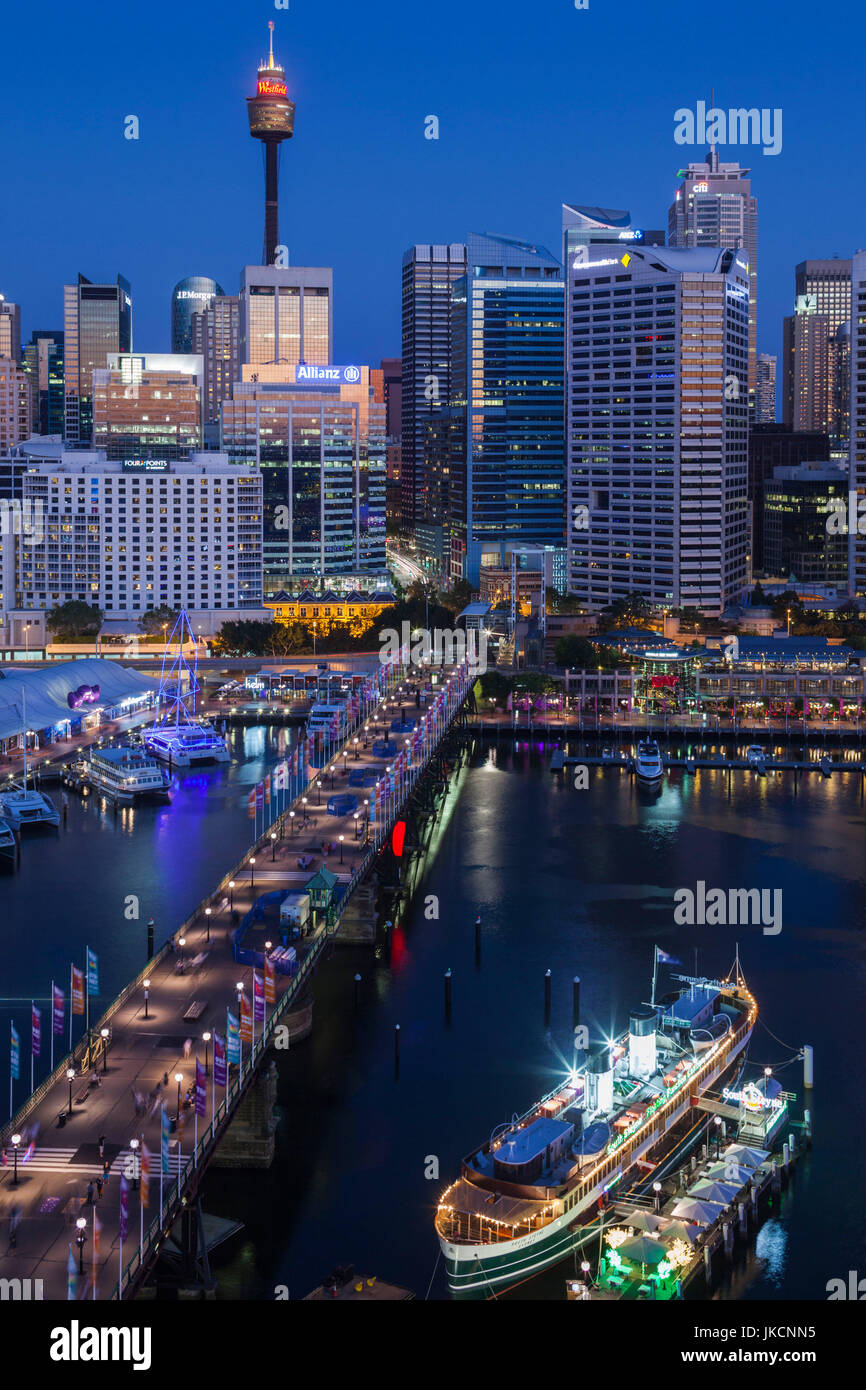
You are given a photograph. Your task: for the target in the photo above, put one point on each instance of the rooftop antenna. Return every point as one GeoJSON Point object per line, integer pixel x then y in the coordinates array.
{"type": "Point", "coordinates": [271, 55]}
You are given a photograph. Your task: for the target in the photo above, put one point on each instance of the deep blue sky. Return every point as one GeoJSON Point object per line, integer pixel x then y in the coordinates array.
{"type": "Point", "coordinates": [538, 103]}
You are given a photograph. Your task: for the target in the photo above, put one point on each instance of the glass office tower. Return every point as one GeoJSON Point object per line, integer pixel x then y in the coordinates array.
{"type": "Point", "coordinates": [506, 428]}
{"type": "Point", "coordinates": [286, 316]}
{"type": "Point", "coordinates": [43, 363]}
{"type": "Point", "coordinates": [190, 296]}
{"type": "Point", "coordinates": [97, 321]}
{"type": "Point", "coordinates": [319, 440]}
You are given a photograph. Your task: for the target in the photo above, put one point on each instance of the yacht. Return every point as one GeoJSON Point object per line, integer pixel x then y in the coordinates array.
{"type": "Point", "coordinates": [186, 745]}
{"type": "Point", "coordinates": [24, 806]}
{"type": "Point", "coordinates": [648, 763]}
{"type": "Point", "coordinates": [525, 1195]}
{"type": "Point", "coordinates": [756, 756]}
{"type": "Point", "coordinates": [8, 845]}
{"type": "Point", "coordinates": [126, 773]}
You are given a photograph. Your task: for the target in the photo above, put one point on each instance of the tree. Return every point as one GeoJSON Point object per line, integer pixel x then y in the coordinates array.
{"type": "Point", "coordinates": [690, 619]}
{"type": "Point", "coordinates": [572, 650]}
{"type": "Point", "coordinates": [75, 619]}
{"type": "Point", "coordinates": [156, 619]}
{"type": "Point", "coordinates": [759, 598]}
{"type": "Point", "coordinates": [632, 611]}
{"type": "Point", "coordinates": [456, 598]}
{"type": "Point", "coordinates": [244, 637]}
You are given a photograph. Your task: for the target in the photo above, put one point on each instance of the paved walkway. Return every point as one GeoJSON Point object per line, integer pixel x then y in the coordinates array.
{"type": "Point", "coordinates": [151, 1041]}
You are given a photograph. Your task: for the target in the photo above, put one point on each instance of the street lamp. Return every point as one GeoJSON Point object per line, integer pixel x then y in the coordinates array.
{"type": "Point", "coordinates": [252, 873]}
{"type": "Point", "coordinates": [357, 827]}
{"type": "Point", "coordinates": [207, 913]}
{"type": "Point", "coordinates": [304, 804]}
{"type": "Point", "coordinates": [341, 839]}
{"type": "Point", "coordinates": [273, 845]}
{"type": "Point", "coordinates": [70, 1077]}
{"type": "Point", "coordinates": [146, 996]}
{"type": "Point", "coordinates": [16, 1140]}
{"type": "Point", "coordinates": [717, 1121]}
{"type": "Point", "coordinates": [231, 894]}
{"type": "Point", "coordinates": [133, 1144]}
{"type": "Point", "coordinates": [657, 1192]}
{"type": "Point", "coordinates": [206, 1037]}
{"type": "Point", "coordinates": [79, 1241]}
{"type": "Point", "coordinates": [178, 1076]}
{"type": "Point", "coordinates": [291, 823]}
{"type": "Point", "coordinates": [181, 941]}
{"type": "Point", "coordinates": [318, 792]}
{"type": "Point", "coordinates": [104, 1034]}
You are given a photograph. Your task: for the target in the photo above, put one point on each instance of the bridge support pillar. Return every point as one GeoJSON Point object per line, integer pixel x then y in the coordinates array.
{"type": "Point", "coordinates": [249, 1139]}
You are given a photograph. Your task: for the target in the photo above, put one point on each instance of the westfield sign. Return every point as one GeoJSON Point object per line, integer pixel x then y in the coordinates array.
{"type": "Point", "coordinates": [271, 89]}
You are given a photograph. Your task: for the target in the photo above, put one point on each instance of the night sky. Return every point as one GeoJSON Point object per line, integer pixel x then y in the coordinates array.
{"type": "Point", "coordinates": [537, 103]}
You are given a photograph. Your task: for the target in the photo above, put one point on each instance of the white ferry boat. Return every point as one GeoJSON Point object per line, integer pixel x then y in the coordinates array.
{"type": "Point", "coordinates": [126, 773]}
{"type": "Point", "coordinates": [328, 717]}
{"type": "Point", "coordinates": [523, 1196]}
{"type": "Point", "coordinates": [648, 764]}
{"type": "Point", "coordinates": [24, 807]}
{"type": "Point", "coordinates": [186, 745]}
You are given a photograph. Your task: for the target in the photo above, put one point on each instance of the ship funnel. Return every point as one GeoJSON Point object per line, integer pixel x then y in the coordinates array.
{"type": "Point", "coordinates": [599, 1080]}
{"type": "Point", "coordinates": [642, 1043]}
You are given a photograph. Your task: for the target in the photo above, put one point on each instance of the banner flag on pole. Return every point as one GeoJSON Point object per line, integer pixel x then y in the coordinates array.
{"type": "Point", "coordinates": [268, 789]}
{"type": "Point", "coordinates": [124, 1208]}
{"type": "Point", "coordinates": [59, 1009]}
{"type": "Point", "coordinates": [165, 1132]}
{"type": "Point", "coordinates": [14, 1053]}
{"type": "Point", "coordinates": [92, 972]}
{"type": "Point", "coordinates": [36, 1028]}
{"type": "Point", "coordinates": [258, 997]}
{"type": "Point", "coordinates": [246, 1019]}
{"type": "Point", "coordinates": [219, 1059]}
{"type": "Point", "coordinates": [71, 1276]}
{"type": "Point", "coordinates": [234, 1042]}
{"type": "Point", "coordinates": [251, 804]}
{"type": "Point", "coordinates": [260, 797]}
{"type": "Point", "coordinates": [145, 1175]}
{"type": "Point", "coordinates": [270, 982]}
{"type": "Point", "coordinates": [77, 990]}
{"type": "Point", "coordinates": [200, 1089]}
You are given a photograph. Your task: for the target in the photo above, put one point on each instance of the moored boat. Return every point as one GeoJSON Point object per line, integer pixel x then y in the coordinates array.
{"type": "Point", "coordinates": [125, 773]}
{"type": "Point", "coordinates": [8, 843]}
{"type": "Point", "coordinates": [25, 807]}
{"type": "Point", "coordinates": [525, 1193]}
{"type": "Point", "coordinates": [648, 763]}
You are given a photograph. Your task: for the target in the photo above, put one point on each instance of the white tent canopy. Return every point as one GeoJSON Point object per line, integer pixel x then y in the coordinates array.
{"type": "Point", "coordinates": [696, 1212]}
{"type": "Point", "coordinates": [42, 696]}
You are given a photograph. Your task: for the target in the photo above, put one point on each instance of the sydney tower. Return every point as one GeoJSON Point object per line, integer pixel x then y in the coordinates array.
{"type": "Point", "coordinates": [272, 120]}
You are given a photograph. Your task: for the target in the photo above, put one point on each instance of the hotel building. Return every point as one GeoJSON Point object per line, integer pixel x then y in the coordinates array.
{"type": "Point", "coordinates": [135, 535]}
{"type": "Point", "coordinates": [15, 414]}
{"type": "Point", "coordinates": [657, 426]}
{"type": "Point", "coordinates": [319, 441]}
{"type": "Point", "coordinates": [148, 403]}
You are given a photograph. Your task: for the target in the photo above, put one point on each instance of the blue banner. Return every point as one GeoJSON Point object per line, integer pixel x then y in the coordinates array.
{"type": "Point", "coordinates": [233, 1038]}
{"type": "Point", "coordinates": [92, 972]}
{"type": "Point", "coordinates": [15, 1052]}
{"type": "Point", "coordinates": [166, 1131]}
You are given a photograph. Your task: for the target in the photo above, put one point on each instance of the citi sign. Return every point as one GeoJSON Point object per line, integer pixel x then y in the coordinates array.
{"type": "Point", "coordinates": [350, 375]}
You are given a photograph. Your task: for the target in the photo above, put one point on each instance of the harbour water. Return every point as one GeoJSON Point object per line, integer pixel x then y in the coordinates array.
{"type": "Point", "coordinates": [578, 882]}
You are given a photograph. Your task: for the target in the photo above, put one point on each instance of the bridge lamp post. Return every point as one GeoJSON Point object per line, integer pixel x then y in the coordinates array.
{"type": "Point", "coordinates": [657, 1195]}
{"type": "Point", "coordinates": [273, 845]}
{"type": "Point", "coordinates": [291, 824]}
{"type": "Point", "coordinates": [304, 804]}
{"type": "Point", "coordinates": [318, 792]}
{"type": "Point", "coordinates": [357, 827]}
{"type": "Point", "coordinates": [231, 894]}
{"type": "Point", "coordinates": [181, 941]}
{"type": "Point", "coordinates": [252, 872]}
{"type": "Point", "coordinates": [133, 1144]}
{"type": "Point", "coordinates": [70, 1077]}
{"type": "Point", "coordinates": [80, 1238]}
{"type": "Point", "coordinates": [207, 914]}
{"type": "Point", "coordinates": [178, 1076]}
{"type": "Point", "coordinates": [206, 1037]}
{"type": "Point", "coordinates": [16, 1140]}
{"type": "Point", "coordinates": [146, 996]}
{"type": "Point", "coordinates": [717, 1121]}
{"type": "Point", "coordinates": [104, 1034]}
{"type": "Point", "coordinates": [341, 838]}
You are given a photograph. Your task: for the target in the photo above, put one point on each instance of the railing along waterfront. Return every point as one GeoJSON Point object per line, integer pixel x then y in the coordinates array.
{"type": "Point", "coordinates": [174, 1201]}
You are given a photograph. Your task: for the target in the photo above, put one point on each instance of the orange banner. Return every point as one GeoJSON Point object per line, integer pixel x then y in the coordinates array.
{"type": "Point", "coordinates": [77, 991]}
{"type": "Point", "coordinates": [246, 1020]}
{"type": "Point", "coordinates": [270, 983]}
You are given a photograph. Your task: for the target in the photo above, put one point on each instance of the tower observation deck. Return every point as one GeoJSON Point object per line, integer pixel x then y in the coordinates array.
{"type": "Point", "coordinates": [272, 120]}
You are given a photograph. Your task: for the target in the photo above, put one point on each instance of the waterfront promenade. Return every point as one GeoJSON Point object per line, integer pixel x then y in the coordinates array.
{"type": "Point", "coordinates": [154, 1030]}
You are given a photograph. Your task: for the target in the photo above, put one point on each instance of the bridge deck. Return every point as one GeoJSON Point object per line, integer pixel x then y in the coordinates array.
{"type": "Point", "coordinates": [51, 1191]}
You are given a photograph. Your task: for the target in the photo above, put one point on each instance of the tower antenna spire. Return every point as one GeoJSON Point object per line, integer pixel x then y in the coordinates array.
{"type": "Point", "coordinates": [271, 57]}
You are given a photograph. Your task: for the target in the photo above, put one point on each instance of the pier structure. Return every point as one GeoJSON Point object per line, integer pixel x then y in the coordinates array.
{"type": "Point", "coordinates": [139, 1106]}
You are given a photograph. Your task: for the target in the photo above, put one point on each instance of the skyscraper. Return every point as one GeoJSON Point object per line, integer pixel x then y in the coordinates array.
{"type": "Point", "coordinates": [318, 436]}
{"type": "Point", "coordinates": [14, 403]}
{"type": "Point", "coordinates": [43, 362]}
{"type": "Point", "coordinates": [857, 446]}
{"type": "Point", "coordinates": [765, 389]}
{"type": "Point", "coordinates": [10, 330]}
{"type": "Point", "coordinates": [657, 426]}
{"type": "Point", "coordinates": [216, 338]}
{"type": "Point", "coordinates": [585, 226]}
{"type": "Point", "coordinates": [714, 207]}
{"type": "Point", "coordinates": [506, 456]}
{"type": "Point", "coordinates": [97, 320]}
{"type": "Point", "coordinates": [272, 120]}
{"type": "Point", "coordinates": [392, 385]}
{"type": "Point", "coordinates": [286, 316]}
{"type": "Point", "coordinates": [148, 405]}
{"type": "Point", "coordinates": [772, 446]}
{"type": "Point", "coordinates": [429, 272]}
{"type": "Point", "coordinates": [815, 347]}
{"type": "Point", "coordinates": [188, 297]}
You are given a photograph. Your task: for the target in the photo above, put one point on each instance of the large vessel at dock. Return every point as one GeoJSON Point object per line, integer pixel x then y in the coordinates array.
{"type": "Point", "coordinates": [177, 736]}
{"type": "Point", "coordinates": [126, 773]}
{"type": "Point", "coordinates": [523, 1195]}
{"type": "Point", "coordinates": [648, 764]}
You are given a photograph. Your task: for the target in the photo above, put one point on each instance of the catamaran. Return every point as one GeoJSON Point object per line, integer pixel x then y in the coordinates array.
{"type": "Point", "coordinates": [524, 1194]}
{"type": "Point", "coordinates": [177, 736]}
{"type": "Point", "coordinates": [8, 845]}
{"type": "Point", "coordinates": [24, 806]}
